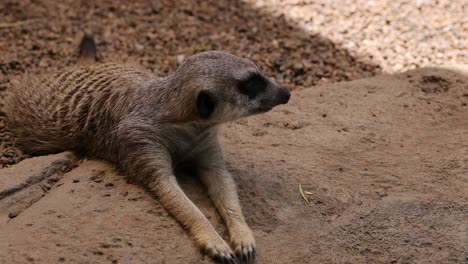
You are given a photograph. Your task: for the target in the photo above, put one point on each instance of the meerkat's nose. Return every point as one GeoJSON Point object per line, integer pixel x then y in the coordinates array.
{"type": "Point", "coordinates": [284, 95]}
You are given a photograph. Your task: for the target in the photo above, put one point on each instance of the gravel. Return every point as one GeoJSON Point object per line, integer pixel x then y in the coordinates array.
{"type": "Point", "coordinates": [299, 43]}
{"type": "Point", "coordinates": [397, 35]}
{"type": "Point", "coordinates": [159, 34]}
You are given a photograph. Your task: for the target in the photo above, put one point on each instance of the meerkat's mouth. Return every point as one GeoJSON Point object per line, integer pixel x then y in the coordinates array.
{"type": "Point", "coordinates": [262, 109]}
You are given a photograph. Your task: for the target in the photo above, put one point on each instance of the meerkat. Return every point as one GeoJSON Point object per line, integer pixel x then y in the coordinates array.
{"type": "Point", "coordinates": [148, 126]}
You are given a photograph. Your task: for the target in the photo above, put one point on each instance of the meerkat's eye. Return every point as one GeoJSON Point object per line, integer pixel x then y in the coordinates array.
{"type": "Point", "coordinates": [206, 104]}
{"type": "Point", "coordinates": [253, 85]}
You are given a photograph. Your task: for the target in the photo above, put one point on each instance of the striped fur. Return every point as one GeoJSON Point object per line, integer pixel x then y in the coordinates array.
{"type": "Point", "coordinates": [148, 127]}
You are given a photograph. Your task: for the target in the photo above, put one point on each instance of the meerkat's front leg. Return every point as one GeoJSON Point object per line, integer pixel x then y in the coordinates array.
{"type": "Point", "coordinates": [179, 205]}
{"type": "Point", "coordinates": [152, 165]}
{"type": "Point", "coordinates": [223, 193]}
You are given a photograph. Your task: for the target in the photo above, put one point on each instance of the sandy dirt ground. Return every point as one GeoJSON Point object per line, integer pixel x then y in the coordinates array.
{"type": "Point", "coordinates": [385, 159]}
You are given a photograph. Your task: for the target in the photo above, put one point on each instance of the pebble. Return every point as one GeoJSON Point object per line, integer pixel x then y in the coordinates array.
{"type": "Point", "coordinates": [13, 214]}
{"type": "Point", "coordinates": [180, 58]}
{"type": "Point", "coordinates": [139, 47]}
{"type": "Point", "coordinates": [294, 125]}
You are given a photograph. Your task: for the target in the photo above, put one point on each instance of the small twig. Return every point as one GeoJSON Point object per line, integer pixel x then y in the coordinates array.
{"type": "Point", "coordinates": [302, 193]}
{"type": "Point", "coordinates": [15, 24]}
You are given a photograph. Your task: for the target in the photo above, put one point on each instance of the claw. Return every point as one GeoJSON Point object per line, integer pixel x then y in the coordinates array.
{"type": "Point", "coordinates": [219, 260]}
{"type": "Point", "coordinates": [231, 259]}
{"type": "Point", "coordinates": [239, 257]}
{"type": "Point", "coordinates": [246, 255]}
{"type": "Point", "coordinates": [235, 259]}
{"type": "Point", "coordinates": [253, 255]}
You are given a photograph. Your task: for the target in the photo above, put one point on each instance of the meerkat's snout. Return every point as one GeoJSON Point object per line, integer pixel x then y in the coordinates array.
{"type": "Point", "coordinates": [274, 95]}
{"type": "Point", "coordinates": [283, 95]}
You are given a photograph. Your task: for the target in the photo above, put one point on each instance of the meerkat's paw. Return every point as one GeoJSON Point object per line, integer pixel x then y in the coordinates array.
{"type": "Point", "coordinates": [243, 243]}
{"type": "Point", "coordinates": [221, 252]}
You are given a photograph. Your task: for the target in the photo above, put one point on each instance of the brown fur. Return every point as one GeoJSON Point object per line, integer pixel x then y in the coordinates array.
{"type": "Point", "coordinates": [148, 126]}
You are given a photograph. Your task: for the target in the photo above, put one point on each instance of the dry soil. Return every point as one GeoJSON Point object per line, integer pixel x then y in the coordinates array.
{"type": "Point", "coordinates": [385, 159]}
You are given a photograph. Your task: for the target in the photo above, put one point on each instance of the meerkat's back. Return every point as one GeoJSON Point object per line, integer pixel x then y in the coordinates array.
{"type": "Point", "coordinates": [68, 109]}
{"type": "Point", "coordinates": [149, 127]}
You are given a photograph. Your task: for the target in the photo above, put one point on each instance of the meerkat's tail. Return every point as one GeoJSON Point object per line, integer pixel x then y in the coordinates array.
{"type": "Point", "coordinates": [87, 51]}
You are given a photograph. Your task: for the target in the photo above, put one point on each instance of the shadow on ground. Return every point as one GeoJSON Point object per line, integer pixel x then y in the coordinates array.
{"type": "Point", "coordinates": [156, 33]}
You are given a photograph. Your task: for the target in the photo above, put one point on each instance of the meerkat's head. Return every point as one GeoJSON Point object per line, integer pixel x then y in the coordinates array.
{"type": "Point", "coordinates": [228, 87]}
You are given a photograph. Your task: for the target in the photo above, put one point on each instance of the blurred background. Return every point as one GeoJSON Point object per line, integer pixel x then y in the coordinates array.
{"type": "Point", "coordinates": [301, 43]}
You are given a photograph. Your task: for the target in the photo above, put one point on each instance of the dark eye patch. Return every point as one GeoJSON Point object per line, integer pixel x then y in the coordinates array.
{"type": "Point", "coordinates": [206, 104]}
{"type": "Point", "coordinates": [253, 85]}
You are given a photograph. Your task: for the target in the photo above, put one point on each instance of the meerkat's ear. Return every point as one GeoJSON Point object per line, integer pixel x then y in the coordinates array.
{"type": "Point", "coordinates": [206, 104]}
{"type": "Point", "coordinates": [88, 51]}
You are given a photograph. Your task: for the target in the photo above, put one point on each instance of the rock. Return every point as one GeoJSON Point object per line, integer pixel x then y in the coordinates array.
{"type": "Point", "coordinates": [13, 214]}
{"type": "Point", "coordinates": [294, 125]}
{"type": "Point", "coordinates": [32, 171]}
{"type": "Point", "coordinates": [180, 58]}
